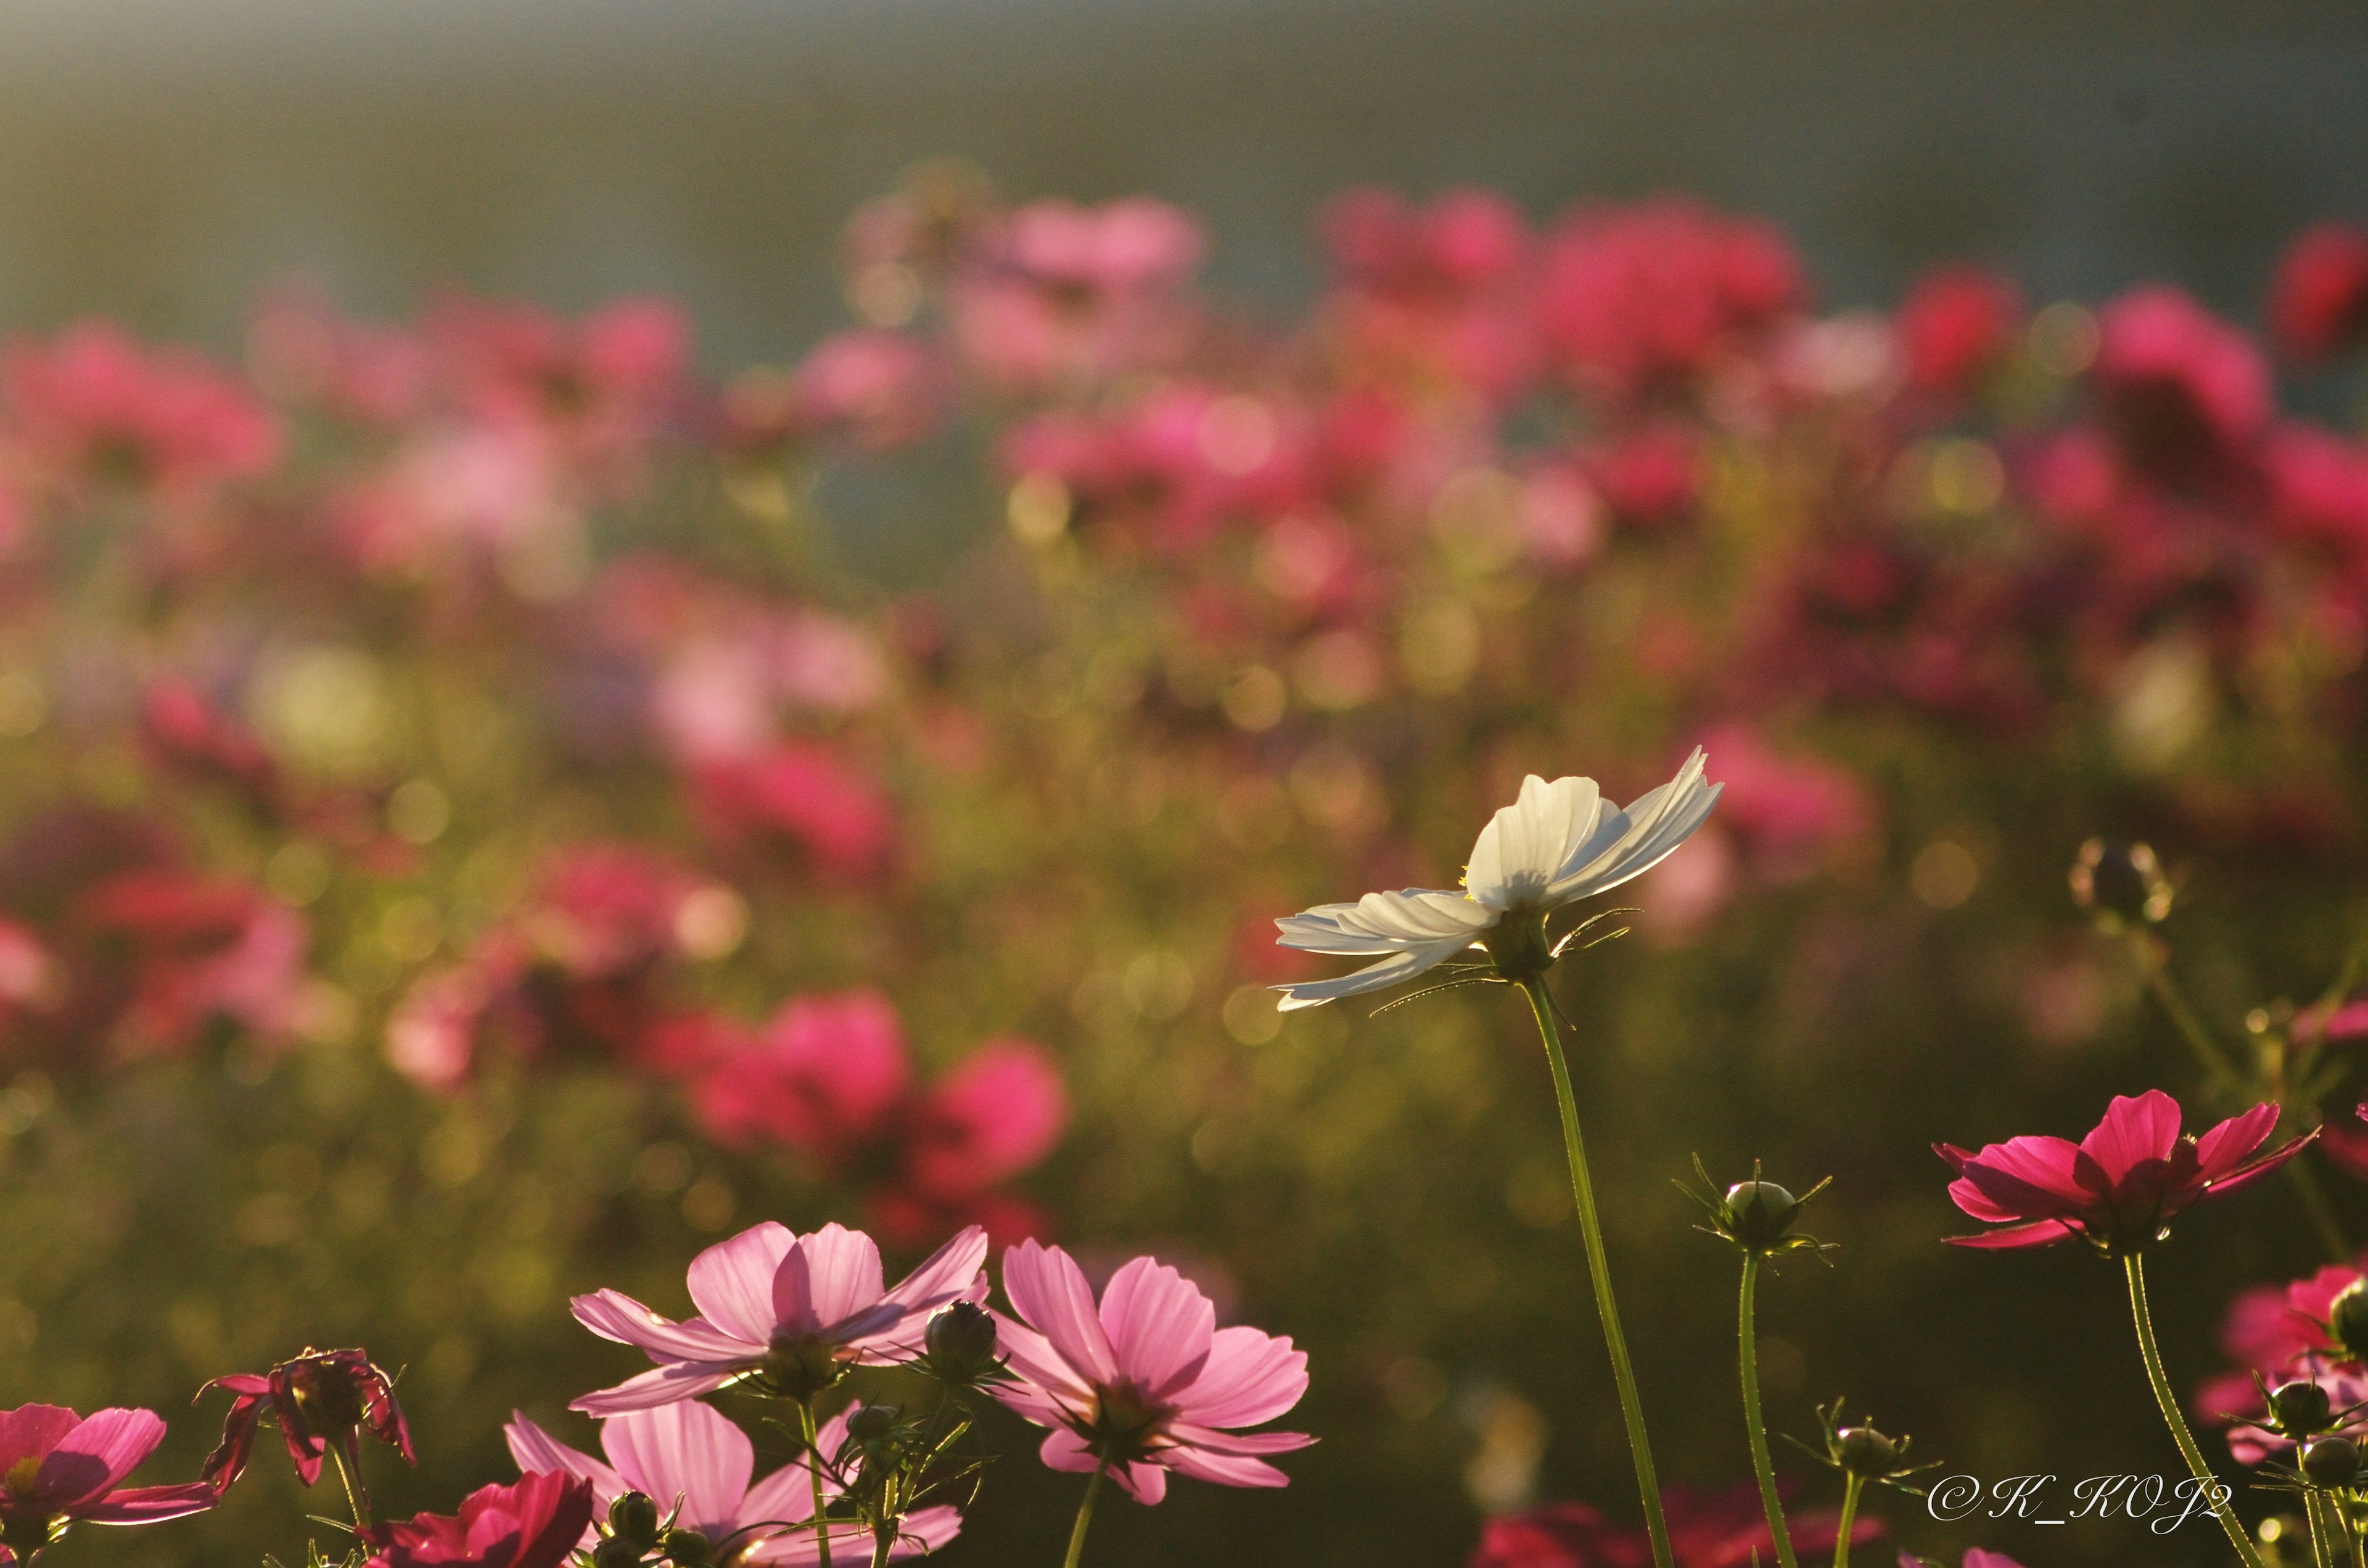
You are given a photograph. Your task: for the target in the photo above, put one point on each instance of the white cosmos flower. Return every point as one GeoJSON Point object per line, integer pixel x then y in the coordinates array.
{"type": "Point", "coordinates": [1559, 843]}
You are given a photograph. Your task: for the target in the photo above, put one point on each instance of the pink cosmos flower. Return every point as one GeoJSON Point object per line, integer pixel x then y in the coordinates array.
{"type": "Point", "coordinates": [57, 1468]}
{"type": "Point", "coordinates": [534, 1524]}
{"type": "Point", "coordinates": [1723, 1530]}
{"type": "Point", "coordinates": [2318, 302]}
{"type": "Point", "coordinates": [1148, 1383]}
{"type": "Point", "coordinates": [1434, 293]}
{"type": "Point", "coordinates": [2119, 1189]}
{"type": "Point", "coordinates": [1954, 326]}
{"type": "Point", "coordinates": [93, 406]}
{"type": "Point", "coordinates": [686, 1454]}
{"type": "Point", "coordinates": [805, 792]}
{"type": "Point", "coordinates": [831, 1075]}
{"type": "Point", "coordinates": [1062, 292]}
{"type": "Point", "coordinates": [786, 1312]}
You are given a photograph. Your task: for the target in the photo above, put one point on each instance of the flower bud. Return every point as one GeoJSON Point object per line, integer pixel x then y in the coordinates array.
{"type": "Point", "coordinates": [1760, 1212]}
{"type": "Point", "coordinates": [960, 1342]}
{"type": "Point", "coordinates": [2301, 1408]}
{"type": "Point", "coordinates": [1863, 1451]}
{"type": "Point", "coordinates": [2331, 1461]}
{"type": "Point", "coordinates": [871, 1422]}
{"type": "Point", "coordinates": [2121, 883]}
{"type": "Point", "coordinates": [619, 1552]}
{"type": "Point", "coordinates": [2346, 1319]}
{"type": "Point", "coordinates": [634, 1516]}
{"type": "Point", "coordinates": [688, 1548]}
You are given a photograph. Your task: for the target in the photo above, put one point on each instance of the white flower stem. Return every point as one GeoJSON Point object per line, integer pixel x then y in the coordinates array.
{"type": "Point", "coordinates": [1598, 1268]}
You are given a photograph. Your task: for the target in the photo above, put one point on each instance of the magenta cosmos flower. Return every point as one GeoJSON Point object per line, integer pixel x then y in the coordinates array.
{"type": "Point", "coordinates": [57, 1467]}
{"type": "Point", "coordinates": [785, 1311]}
{"type": "Point", "coordinates": [534, 1524]}
{"type": "Point", "coordinates": [687, 1455]}
{"type": "Point", "coordinates": [2120, 1187]}
{"type": "Point", "coordinates": [1143, 1385]}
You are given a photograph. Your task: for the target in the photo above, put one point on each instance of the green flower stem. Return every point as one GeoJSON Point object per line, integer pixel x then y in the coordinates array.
{"type": "Point", "coordinates": [357, 1494]}
{"type": "Point", "coordinates": [1853, 1484]}
{"type": "Point", "coordinates": [2144, 1317]}
{"type": "Point", "coordinates": [2322, 1548]}
{"type": "Point", "coordinates": [1582, 1188]}
{"type": "Point", "coordinates": [813, 1474]}
{"type": "Point", "coordinates": [1084, 1517]}
{"type": "Point", "coordinates": [884, 1544]}
{"type": "Point", "coordinates": [2351, 1534]}
{"type": "Point", "coordinates": [1746, 1340]}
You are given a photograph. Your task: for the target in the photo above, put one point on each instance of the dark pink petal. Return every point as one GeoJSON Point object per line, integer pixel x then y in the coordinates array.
{"type": "Point", "coordinates": [2136, 1129]}
{"type": "Point", "coordinates": [2245, 1176]}
{"type": "Point", "coordinates": [147, 1504]}
{"type": "Point", "coordinates": [2039, 1234]}
{"type": "Point", "coordinates": [613, 1316]}
{"type": "Point", "coordinates": [732, 1282]}
{"type": "Point", "coordinates": [107, 1447]}
{"type": "Point", "coordinates": [679, 1380]}
{"type": "Point", "coordinates": [687, 1450]}
{"type": "Point", "coordinates": [1954, 1155]}
{"type": "Point", "coordinates": [2049, 1166]}
{"type": "Point", "coordinates": [1159, 1325]}
{"type": "Point", "coordinates": [2018, 1198]}
{"type": "Point", "coordinates": [1048, 1291]}
{"type": "Point", "coordinates": [228, 1461]}
{"type": "Point", "coordinates": [1249, 1377]}
{"type": "Point", "coordinates": [1981, 1206]}
{"type": "Point", "coordinates": [828, 1278]}
{"type": "Point", "coordinates": [2222, 1149]}
{"type": "Point", "coordinates": [30, 1431]}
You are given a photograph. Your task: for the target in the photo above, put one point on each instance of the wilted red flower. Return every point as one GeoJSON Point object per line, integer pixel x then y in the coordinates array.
{"type": "Point", "coordinates": [1954, 326]}
{"type": "Point", "coordinates": [1725, 1529]}
{"type": "Point", "coordinates": [534, 1523]}
{"type": "Point", "coordinates": [57, 1468]}
{"type": "Point", "coordinates": [93, 406]}
{"type": "Point", "coordinates": [321, 1399]}
{"type": "Point", "coordinates": [2119, 1189]}
{"type": "Point", "coordinates": [2319, 301]}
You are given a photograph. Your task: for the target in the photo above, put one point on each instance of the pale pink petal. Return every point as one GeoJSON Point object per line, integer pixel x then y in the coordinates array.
{"type": "Point", "coordinates": [1225, 1469]}
{"type": "Point", "coordinates": [1159, 1326]}
{"type": "Point", "coordinates": [148, 1505]}
{"type": "Point", "coordinates": [2136, 1129]}
{"type": "Point", "coordinates": [1063, 1449]}
{"type": "Point", "coordinates": [1048, 1291]}
{"type": "Point", "coordinates": [107, 1447]}
{"type": "Point", "coordinates": [1146, 1484]}
{"type": "Point", "coordinates": [850, 1543]}
{"type": "Point", "coordinates": [682, 1379]}
{"type": "Point", "coordinates": [537, 1451]}
{"type": "Point", "coordinates": [1214, 1442]}
{"type": "Point", "coordinates": [684, 1452]}
{"type": "Point", "coordinates": [953, 1272]}
{"type": "Point", "coordinates": [613, 1316]}
{"type": "Point", "coordinates": [787, 1494]}
{"type": "Point", "coordinates": [1250, 1376]}
{"type": "Point", "coordinates": [1039, 1366]}
{"type": "Point", "coordinates": [733, 1281]}
{"type": "Point", "coordinates": [828, 1278]}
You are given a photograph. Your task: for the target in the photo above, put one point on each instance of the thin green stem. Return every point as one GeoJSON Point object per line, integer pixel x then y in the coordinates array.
{"type": "Point", "coordinates": [813, 1474]}
{"type": "Point", "coordinates": [1746, 1340]}
{"type": "Point", "coordinates": [2321, 1212]}
{"type": "Point", "coordinates": [2219, 1072]}
{"type": "Point", "coordinates": [883, 1543]}
{"type": "Point", "coordinates": [2322, 1548]}
{"type": "Point", "coordinates": [1590, 1228]}
{"type": "Point", "coordinates": [357, 1494]}
{"type": "Point", "coordinates": [2351, 1534]}
{"type": "Point", "coordinates": [2216, 1493]}
{"type": "Point", "coordinates": [1084, 1517]}
{"type": "Point", "coordinates": [1853, 1484]}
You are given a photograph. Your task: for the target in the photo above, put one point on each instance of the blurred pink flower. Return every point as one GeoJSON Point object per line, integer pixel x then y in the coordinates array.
{"type": "Point", "coordinates": [1149, 1383]}
{"type": "Point", "coordinates": [1650, 475]}
{"type": "Point", "coordinates": [303, 350]}
{"type": "Point", "coordinates": [1790, 811]}
{"type": "Point", "coordinates": [2319, 301]}
{"type": "Point", "coordinates": [91, 406]}
{"type": "Point", "coordinates": [783, 1310]}
{"type": "Point", "coordinates": [2121, 1187]}
{"type": "Point", "coordinates": [1954, 326]}
{"type": "Point", "coordinates": [603, 382]}
{"type": "Point", "coordinates": [1644, 299]}
{"type": "Point", "coordinates": [187, 949]}
{"type": "Point", "coordinates": [57, 1468]}
{"type": "Point", "coordinates": [187, 734]}
{"type": "Point", "coordinates": [1723, 1530]}
{"type": "Point", "coordinates": [805, 792]}
{"type": "Point", "coordinates": [831, 1075]}
{"type": "Point", "coordinates": [1433, 296]}
{"type": "Point", "coordinates": [1063, 293]}
{"type": "Point", "coordinates": [533, 1524]}
{"type": "Point", "coordinates": [686, 1453]}
{"type": "Point", "coordinates": [2183, 392]}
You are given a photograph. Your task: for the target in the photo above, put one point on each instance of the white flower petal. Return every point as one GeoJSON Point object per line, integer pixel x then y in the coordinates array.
{"type": "Point", "coordinates": [1652, 828]}
{"type": "Point", "coordinates": [1527, 843]}
{"type": "Point", "coordinates": [1385, 922]}
{"type": "Point", "coordinates": [1398, 966]}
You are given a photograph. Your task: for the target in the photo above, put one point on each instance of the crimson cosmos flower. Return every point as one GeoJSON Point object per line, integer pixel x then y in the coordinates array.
{"type": "Point", "coordinates": [321, 1397]}
{"type": "Point", "coordinates": [2120, 1187]}
{"type": "Point", "coordinates": [57, 1467]}
{"type": "Point", "coordinates": [534, 1524]}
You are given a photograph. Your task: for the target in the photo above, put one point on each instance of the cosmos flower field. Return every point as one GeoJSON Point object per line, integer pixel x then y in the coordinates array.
{"type": "Point", "coordinates": [551, 1012]}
